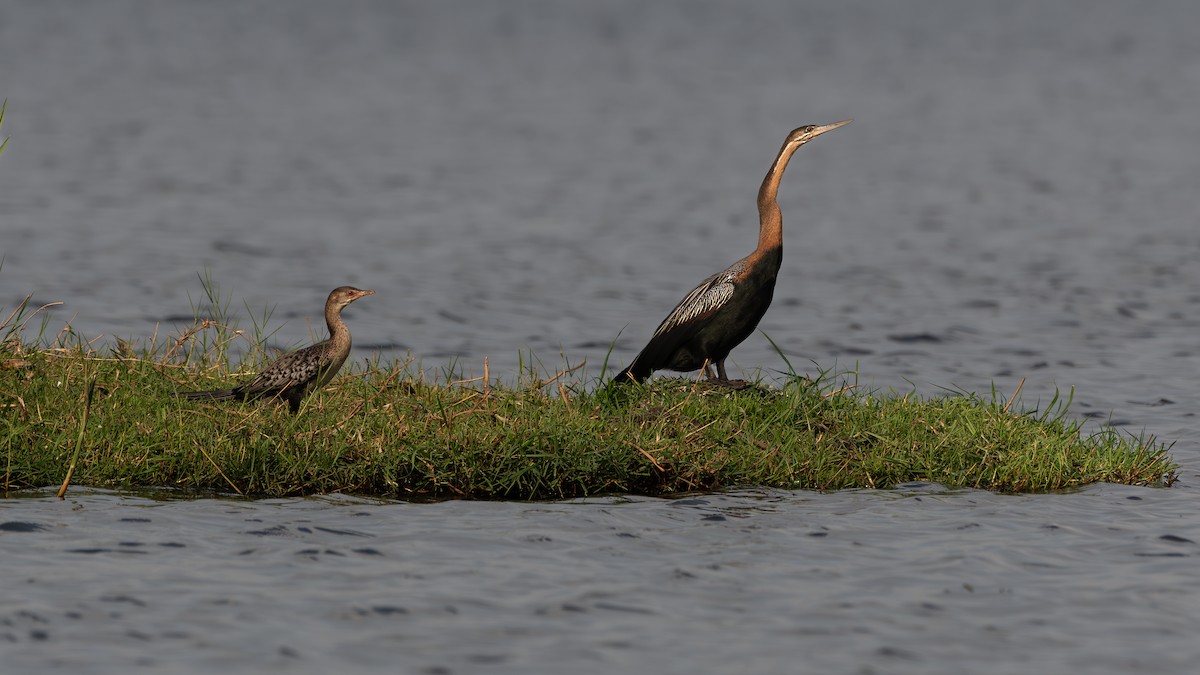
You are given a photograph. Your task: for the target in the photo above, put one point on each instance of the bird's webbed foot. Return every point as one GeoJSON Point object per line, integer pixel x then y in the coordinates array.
{"type": "Point", "coordinates": [718, 376]}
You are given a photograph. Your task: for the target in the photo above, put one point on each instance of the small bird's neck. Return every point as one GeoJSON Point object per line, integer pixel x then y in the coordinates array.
{"type": "Point", "coordinates": [338, 331]}
{"type": "Point", "coordinates": [770, 218]}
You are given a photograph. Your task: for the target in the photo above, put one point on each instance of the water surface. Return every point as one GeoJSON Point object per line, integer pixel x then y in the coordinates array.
{"type": "Point", "coordinates": [1015, 200]}
{"type": "Point", "coordinates": [911, 580]}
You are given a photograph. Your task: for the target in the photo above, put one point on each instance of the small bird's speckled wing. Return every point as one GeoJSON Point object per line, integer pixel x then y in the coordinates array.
{"type": "Point", "coordinates": [290, 370]}
{"type": "Point", "coordinates": [708, 297]}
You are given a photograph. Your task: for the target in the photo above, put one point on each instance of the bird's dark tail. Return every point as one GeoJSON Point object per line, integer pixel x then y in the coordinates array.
{"type": "Point", "coordinates": [634, 373]}
{"type": "Point", "coordinates": [214, 395]}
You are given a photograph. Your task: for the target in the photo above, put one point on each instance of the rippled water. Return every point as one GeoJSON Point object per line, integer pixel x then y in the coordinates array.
{"type": "Point", "coordinates": [911, 580]}
{"type": "Point", "coordinates": [1015, 200]}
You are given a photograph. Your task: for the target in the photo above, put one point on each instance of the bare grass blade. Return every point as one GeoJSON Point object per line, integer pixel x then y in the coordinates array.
{"type": "Point", "coordinates": [87, 408]}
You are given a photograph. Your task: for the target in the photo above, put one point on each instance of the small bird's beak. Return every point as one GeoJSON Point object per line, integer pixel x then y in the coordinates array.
{"type": "Point", "coordinates": [829, 127]}
{"type": "Point", "coordinates": [363, 294]}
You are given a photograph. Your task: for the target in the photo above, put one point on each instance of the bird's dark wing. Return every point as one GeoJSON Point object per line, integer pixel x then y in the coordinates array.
{"type": "Point", "coordinates": [682, 324]}
{"type": "Point", "coordinates": [702, 302]}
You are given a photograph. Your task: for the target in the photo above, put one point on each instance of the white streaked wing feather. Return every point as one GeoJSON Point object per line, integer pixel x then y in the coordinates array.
{"type": "Point", "coordinates": [709, 295]}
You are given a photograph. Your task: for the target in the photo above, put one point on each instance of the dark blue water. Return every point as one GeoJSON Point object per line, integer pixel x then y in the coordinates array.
{"type": "Point", "coordinates": [1015, 200]}
{"type": "Point", "coordinates": [914, 580]}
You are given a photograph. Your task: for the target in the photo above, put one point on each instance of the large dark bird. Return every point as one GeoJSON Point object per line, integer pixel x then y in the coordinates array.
{"type": "Point", "coordinates": [725, 308]}
{"type": "Point", "coordinates": [294, 375]}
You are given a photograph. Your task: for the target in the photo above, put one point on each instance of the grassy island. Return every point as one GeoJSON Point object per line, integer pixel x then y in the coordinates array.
{"type": "Point", "coordinates": [390, 430]}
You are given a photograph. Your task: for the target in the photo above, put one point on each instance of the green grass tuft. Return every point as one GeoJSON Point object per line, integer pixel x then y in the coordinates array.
{"type": "Point", "coordinates": [393, 430]}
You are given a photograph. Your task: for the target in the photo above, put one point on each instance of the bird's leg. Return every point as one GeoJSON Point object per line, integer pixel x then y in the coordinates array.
{"type": "Point", "coordinates": [724, 380]}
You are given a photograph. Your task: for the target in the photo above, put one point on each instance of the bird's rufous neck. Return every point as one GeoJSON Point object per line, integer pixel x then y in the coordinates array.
{"type": "Point", "coordinates": [770, 218]}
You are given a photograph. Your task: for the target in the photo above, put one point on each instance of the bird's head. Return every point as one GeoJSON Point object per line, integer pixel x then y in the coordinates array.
{"type": "Point", "coordinates": [805, 134]}
{"type": "Point", "coordinates": [344, 295]}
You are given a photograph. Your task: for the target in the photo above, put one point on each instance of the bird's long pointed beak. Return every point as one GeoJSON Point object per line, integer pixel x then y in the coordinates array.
{"type": "Point", "coordinates": [829, 127]}
{"type": "Point", "coordinates": [363, 294]}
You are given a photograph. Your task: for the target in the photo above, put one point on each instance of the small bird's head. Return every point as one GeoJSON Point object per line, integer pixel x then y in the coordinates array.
{"type": "Point", "coordinates": [344, 295]}
{"type": "Point", "coordinates": [805, 134]}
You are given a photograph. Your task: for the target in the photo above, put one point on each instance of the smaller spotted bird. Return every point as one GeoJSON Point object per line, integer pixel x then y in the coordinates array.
{"type": "Point", "coordinates": [296, 374]}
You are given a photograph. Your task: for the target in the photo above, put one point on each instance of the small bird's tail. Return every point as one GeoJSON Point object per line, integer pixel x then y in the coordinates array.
{"type": "Point", "coordinates": [214, 395]}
